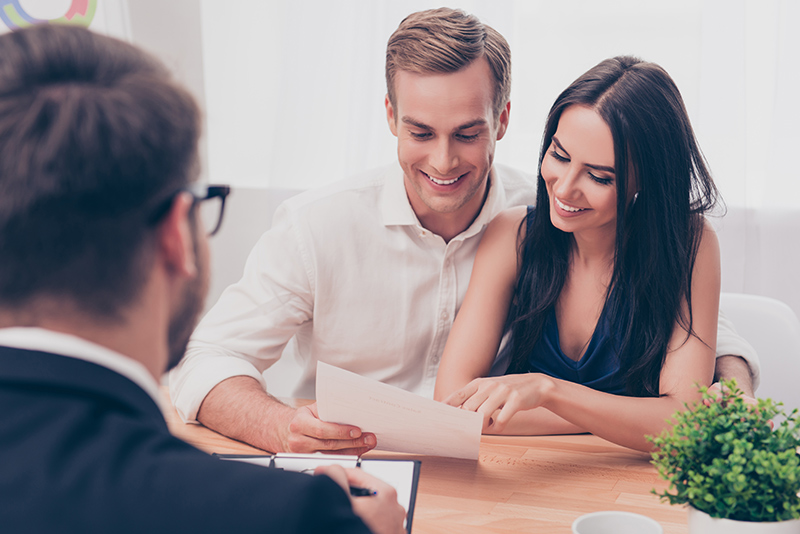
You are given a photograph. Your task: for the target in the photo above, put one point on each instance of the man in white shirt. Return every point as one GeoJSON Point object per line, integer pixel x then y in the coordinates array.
{"type": "Point", "coordinates": [367, 274]}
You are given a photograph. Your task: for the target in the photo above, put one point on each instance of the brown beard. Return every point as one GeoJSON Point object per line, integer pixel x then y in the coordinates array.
{"type": "Point", "coordinates": [185, 319]}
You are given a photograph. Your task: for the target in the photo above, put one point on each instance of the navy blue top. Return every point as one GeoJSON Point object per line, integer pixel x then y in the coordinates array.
{"type": "Point", "coordinates": [598, 368]}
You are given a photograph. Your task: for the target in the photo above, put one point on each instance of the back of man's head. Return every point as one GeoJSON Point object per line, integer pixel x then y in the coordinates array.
{"type": "Point", "coordinates": [444, 40]}
{"type": "Point", "coordinates": [94, 138]}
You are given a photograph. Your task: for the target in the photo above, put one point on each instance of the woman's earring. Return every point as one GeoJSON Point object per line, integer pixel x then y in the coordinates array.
{"type": "Point", "coordinates": [633, 200]}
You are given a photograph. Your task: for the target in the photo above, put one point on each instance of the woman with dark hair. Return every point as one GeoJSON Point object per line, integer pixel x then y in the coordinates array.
{"type": "Point", "coordinates": [607, 289]}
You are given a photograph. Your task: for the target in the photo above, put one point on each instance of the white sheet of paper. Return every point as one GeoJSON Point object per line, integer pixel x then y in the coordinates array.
{"type": "Point", "coordinates": [397, 473]}
{"type": "Point", "coordinates": [401, 420]}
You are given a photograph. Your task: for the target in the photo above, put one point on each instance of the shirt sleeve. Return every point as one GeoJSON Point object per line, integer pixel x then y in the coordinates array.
{"type": "Point", "coordinates": [246, 331]}
{"type": "Point", "coordinates": [729, 342]}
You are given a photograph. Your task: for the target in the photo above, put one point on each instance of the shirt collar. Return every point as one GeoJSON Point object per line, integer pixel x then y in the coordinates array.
{"type": "Point", "coordinates": [60, 344]}
{"type": "Point", "coordinates": [495, 203]}
{"type": "Point", "coordinates": [396, 208]}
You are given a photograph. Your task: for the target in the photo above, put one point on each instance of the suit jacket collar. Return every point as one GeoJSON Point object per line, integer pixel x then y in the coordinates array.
{"type": "Point", "coordinates": [29, 368]}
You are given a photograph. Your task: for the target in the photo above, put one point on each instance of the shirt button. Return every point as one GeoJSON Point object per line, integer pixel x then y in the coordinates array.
{"type": "Point", "coordinates": [445, 316]}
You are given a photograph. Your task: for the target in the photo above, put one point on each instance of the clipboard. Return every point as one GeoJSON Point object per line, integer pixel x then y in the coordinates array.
{"type": "Point", "coordinates": [402, 475]}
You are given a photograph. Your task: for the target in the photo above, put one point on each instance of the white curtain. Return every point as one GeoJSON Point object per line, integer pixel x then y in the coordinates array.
{"type": "Point", "coordinates": [295, 89]}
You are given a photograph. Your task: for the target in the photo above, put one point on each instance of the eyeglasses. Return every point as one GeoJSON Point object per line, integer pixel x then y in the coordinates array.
{"type": "Point", "coordinates": [208, 199]}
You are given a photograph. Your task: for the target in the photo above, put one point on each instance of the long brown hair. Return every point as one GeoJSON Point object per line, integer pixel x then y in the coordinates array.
{"type": "Point", "coordinates": [657, 234]}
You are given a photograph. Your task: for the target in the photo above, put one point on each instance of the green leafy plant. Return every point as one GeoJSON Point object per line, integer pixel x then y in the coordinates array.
{"type": "Point", "coordinates": [723, 457]}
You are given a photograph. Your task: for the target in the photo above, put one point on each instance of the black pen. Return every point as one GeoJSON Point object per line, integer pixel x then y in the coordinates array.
{"type": "Point", "coordinates": [355, 491]}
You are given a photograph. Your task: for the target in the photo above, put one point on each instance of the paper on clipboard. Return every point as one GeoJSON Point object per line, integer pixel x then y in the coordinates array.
{"type": "Point", "coordinates": [401, 420]}
{"type": "Point", "coordinates": [402, 475]}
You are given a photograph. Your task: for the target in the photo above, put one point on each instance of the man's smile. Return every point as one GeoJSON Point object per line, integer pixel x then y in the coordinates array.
{"type": "Point", "coordinates": [445, 181]}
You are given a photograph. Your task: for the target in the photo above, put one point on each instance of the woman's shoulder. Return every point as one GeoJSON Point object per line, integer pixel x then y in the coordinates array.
{"type": "Point", "coordinates": [511, 216]}
{"type": "Point", "coordinates": [706, 235]}
{"type": "Point", "coordinates": [708, 247]}
{"type": "Point", "coordinates": [708, 228]}
{"type": "Point", "coordinates": [504, 232]}
{"type": "Point", "coordinates": [507, 220]}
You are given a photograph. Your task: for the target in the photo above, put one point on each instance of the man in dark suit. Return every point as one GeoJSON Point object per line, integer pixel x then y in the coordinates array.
{"type": "Point", "coordinates": [103, 270]}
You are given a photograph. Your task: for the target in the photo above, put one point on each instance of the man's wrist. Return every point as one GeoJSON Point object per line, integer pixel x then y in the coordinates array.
{"type": "Point", "coordinates": [239, 408]}
{"type": "Point", "coordinates": [276, 427]}
{"type": "Point", "coordinates": [733, 366]}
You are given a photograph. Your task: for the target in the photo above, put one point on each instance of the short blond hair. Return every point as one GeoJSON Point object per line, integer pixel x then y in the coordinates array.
{"type": "Point", "coordinates": [447, 40]}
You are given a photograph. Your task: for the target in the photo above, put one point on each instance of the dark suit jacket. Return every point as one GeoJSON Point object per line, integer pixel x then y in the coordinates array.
{"type": "Point", "coordinates": [83, 449]}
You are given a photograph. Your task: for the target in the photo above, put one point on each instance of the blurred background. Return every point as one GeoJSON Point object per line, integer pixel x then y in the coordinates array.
{"type": "Point", "coordinates": [293, 93]}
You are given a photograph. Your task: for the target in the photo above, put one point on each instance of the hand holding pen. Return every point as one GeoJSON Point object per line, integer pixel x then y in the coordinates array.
{"type": "Point", "coordinates": [382, 513]}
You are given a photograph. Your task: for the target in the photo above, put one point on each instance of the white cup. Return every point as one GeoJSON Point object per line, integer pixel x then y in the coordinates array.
{"type": "Point", "coordinates": [613, 522]}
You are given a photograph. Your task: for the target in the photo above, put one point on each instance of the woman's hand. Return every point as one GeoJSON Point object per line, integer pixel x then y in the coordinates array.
{"type": "Point", "coordinates": [499, 398]}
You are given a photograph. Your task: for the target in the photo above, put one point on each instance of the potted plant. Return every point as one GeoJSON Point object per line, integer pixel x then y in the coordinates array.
{"type": "Point", "coordinates": [736, 465]}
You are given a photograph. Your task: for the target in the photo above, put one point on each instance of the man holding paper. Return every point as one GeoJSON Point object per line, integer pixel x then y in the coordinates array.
{"type": "Point", "coordinates": [368, 274]}
{"type": "Point", "coordinates": [103, 273]}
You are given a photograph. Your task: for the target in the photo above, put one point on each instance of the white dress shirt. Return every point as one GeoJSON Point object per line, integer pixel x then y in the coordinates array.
{"type": "Point", "coordinates": [730, 342]}
{"type": "Point", "coordinates": [351, 274]}
{"type": "Point", "coordinates": [350, 271]}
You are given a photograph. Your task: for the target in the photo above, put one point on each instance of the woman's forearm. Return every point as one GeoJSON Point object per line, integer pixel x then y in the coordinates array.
{"type": "Point", "coordinates": [519, 404]}
{"type": "Point", "coordinates": [538, 422]}
{"type": "Point", "coordinates": [619, 419]}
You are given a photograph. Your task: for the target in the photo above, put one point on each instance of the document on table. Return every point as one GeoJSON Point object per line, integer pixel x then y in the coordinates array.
{"type": "Point", "coordinates": [402, 421]}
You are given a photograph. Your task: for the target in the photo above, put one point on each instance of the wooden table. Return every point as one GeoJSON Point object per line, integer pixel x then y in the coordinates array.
{"type": "Point", "coordinates": [519, 484]}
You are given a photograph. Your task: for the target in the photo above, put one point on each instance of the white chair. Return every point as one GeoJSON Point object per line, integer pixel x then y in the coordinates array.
{"type": "Point", "coordinates": [774, 331]}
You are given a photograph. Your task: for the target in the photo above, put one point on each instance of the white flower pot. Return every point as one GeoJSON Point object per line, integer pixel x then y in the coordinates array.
{"type": "Point", "coordinates": [702, 523]}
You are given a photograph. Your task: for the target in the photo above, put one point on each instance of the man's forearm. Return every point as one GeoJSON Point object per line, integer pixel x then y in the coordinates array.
{"type": "Point", "coordinates": [731, 366]}
{"type": "Point", "coordinates": [240, 409]}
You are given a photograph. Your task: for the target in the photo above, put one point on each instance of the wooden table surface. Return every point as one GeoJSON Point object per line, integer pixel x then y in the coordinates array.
{"type": "Point", "coordinates": [518, 484]}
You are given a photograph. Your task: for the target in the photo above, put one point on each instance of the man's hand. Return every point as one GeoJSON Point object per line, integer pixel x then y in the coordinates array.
{"type": "Point", "coordinates": [716, 390]}
{"type": "Point", "coordinates": [381, 512]}
{"type": "Point", "coordinates": [240, 408]}
{"type": "Point", "coordinates": [306, 433]}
